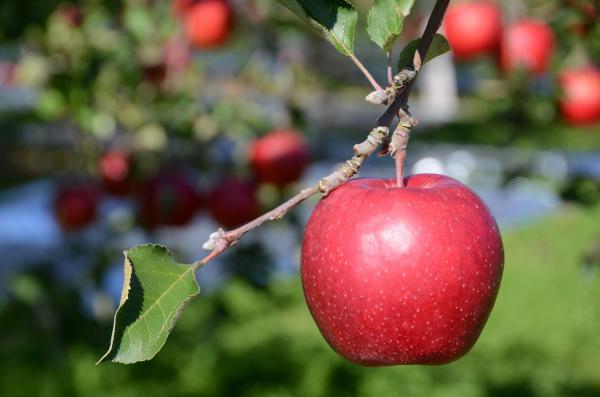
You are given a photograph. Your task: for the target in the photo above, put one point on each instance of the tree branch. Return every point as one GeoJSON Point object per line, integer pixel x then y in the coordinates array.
{"type": "Point", "coordinates": [221, 240]}
{"type": "Point", "coordinates": [433, 25]}
{"type": "Point", "coordinates": [409, 72]}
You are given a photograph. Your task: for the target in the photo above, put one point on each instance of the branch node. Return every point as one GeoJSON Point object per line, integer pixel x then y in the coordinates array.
{"type": "Point", "coordinates": [376, 137]}
{"type": "Point", "coordinates": [215, 240]}
{"type": "Point", "coordinates": [361, 151]}
{"type": "Point", "coordinates": [387, 95]}
{"type": "Point", "coordinates": [381, 97]}
{"type": "Point", "coordinates": [404, 77]}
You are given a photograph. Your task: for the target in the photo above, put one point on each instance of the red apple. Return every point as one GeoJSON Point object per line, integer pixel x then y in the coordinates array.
{"type": "Point", "coordinates": [233, 202]}
{"type": "Point", "coordinates": [279, 157]}
{"type": "Point", "coordinates": [401, 275]}
{"type": "Point", "coordinates": [75, 205]}
{"type": "Point", "coordinates": [115, 169]}
{"type": "Point", "coordinates": [208, 23]}
{"type": "Point", "coordinates": [169, 199]}
{"type": "Point", "coordinates": [528, 44]}
{"type": "Point", "coordinates": [580, 100]}
{"type": "Point", "coordinates": [473, 29]}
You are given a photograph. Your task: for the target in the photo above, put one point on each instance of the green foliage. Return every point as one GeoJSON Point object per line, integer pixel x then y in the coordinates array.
{"type": "Point", "coordinates": [503, 131]}
{"type": "Point", "coordinates": [439, 46]}
{"type": "Point", "coordinates": [541, 340]}
{"type": "Point", "coordinates": [386, 21]}
{"type": "Point", "coordinates": [155, 291]}
{"type": "Point", "coordinates": [334, 19]}
{"type": "Point", "coordinates": [123, 70]}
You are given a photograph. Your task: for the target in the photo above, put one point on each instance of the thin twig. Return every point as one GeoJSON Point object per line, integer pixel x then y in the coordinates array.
{"type": "Point", "coordinates": [390, 71]}
{"type": "Point", "coordinates": [366, 72]}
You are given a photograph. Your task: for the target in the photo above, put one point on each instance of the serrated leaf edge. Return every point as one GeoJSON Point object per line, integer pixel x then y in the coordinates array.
{"type": "Point", "coordinates": [127, 270]}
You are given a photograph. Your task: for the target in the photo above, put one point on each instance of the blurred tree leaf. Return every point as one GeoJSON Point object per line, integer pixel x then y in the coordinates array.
{"type": "Point", "coordinates": [439, 46]}
{"type": "Point", "coordinates": [334, 19]}
{"type": "Point", "coordinates": [386, 21]}
{"type": "Point", "coordinates": [155, 290]}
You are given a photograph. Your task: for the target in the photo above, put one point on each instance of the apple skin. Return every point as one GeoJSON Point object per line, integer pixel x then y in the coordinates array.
{"type": "Point", "coordinates": [208, 23]}
{"type": "Point", "coordinates": [233, 202]}
{"type": "Point", "coordinates": [279, 157]}
{"type": "Point", "coordinates": [169, 199]}
{"type": "Point", "coordinates": [401, 275]}
{"type": "Point", "coordinates": [75, 205]}
{"type": "Point", "coordinates": [473, 29]}
{"type": "Point", "coordinates": [580, 100]}
{"type": "Point", "coordinates": [527, 44]}
{"type": "Point", "coordinates": [115, 169]}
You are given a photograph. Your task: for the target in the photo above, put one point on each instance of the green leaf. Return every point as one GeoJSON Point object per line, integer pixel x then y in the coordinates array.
{"type": "Point", "coordinates": [155, 290]}
{"type": "Point", "coordinates": [334, 19]}
{"type": "Point", "coordinates": [386, 21]}
{"type": "Point", "coordinates": [439, 46]}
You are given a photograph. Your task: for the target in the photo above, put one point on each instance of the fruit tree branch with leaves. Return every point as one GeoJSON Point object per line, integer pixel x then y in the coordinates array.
{"type": "Point", "coordinates": [156, 288]}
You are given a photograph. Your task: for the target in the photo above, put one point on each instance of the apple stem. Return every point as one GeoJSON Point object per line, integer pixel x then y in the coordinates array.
{"type": "Point", "coordinates": [400, 157]}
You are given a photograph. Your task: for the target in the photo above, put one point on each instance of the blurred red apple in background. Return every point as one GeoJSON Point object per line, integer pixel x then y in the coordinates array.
{"type": "Point", "coordinates": [401, 275]}
{"type": "Point", "coordinates": [279, 157]}
{"type": "Point", "coordinates": [169, 199]}
{"type": "Point", "coordinates": [473, 29]}
{"type": "Point", "coordinates": [115, 169]}
{"type": "Point", "coordinates": [7, 73]}
{"type": "Point", "coordinates": [580, 100]}
{"type": "Point", "coordinates": [176, 55]}
{"type": "Point", "coordinates": [528, 44]}
{"type": "Point", "coordinates": [208, 23]}
{"type": "Point", "coordinates": [233, 202]}
{"type": "Point", "coordinates": [75, 205]}
{"type": "Point", "coordinates": [71, 14]}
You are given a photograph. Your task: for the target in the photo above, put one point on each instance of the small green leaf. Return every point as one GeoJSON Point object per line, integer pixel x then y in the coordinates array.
{"type": "Point", "coordinates": [386, 21]}
{"type": "Point", "coordinates": [155, 290]}
{"type": "Point", "coordinates": [334, 19]}
{"type": "Point", "coordinates": [439, 46]}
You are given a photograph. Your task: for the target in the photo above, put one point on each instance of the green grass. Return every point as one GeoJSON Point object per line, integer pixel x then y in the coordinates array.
{"type": "Point", "coordinates": [541, 340]}
{"type": "Point", "coordinates": [503, 132]}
